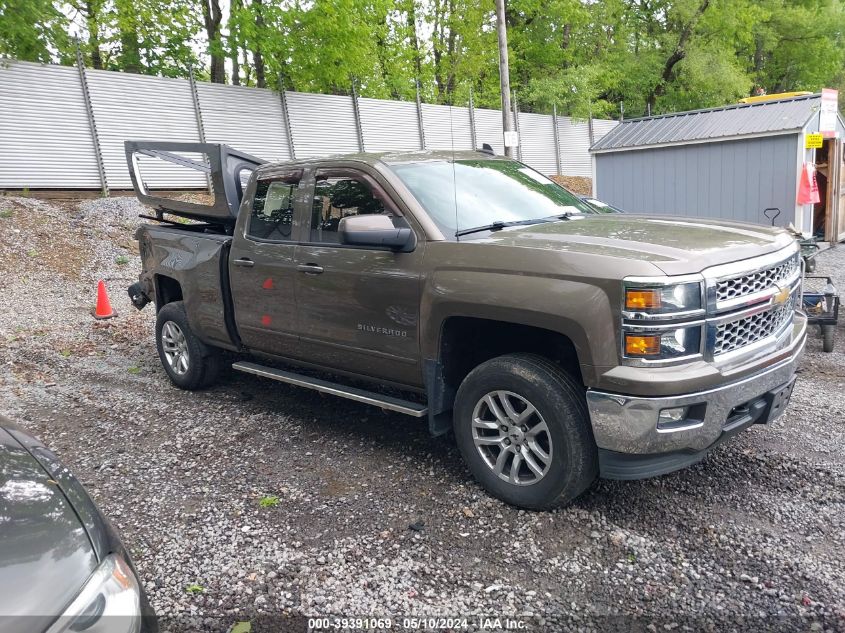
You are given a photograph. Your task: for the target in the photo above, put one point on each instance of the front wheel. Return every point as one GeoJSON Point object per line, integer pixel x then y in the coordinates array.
{"type": "Point", "coordinates": [189, 363]}
{"type": "Point", "coordinates": [522, 426]}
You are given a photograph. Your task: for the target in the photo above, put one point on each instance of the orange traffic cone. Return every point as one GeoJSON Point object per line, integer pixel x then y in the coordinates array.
{"type": "Point", "coordinates": [104, 309]}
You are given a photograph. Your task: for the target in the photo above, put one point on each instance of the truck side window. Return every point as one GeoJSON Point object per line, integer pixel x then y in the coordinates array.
{"type": "Point", "coordinates": [272, 209]}
{"type": "Point", "coordinates": [341, 197]}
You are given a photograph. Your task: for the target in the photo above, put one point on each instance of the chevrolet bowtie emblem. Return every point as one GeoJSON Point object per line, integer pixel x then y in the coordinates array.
{"type": "Point", "coordinates": [781, 297]}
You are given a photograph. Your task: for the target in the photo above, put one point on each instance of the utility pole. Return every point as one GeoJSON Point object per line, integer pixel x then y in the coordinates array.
{"type": "Point", "coordinates": [504, 72]}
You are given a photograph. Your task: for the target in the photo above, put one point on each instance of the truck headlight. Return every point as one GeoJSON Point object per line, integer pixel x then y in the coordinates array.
{"type": "Point", "coordinates": [666, 344]}
{"type": "Point", "coordinates": [662, 299]}
{"type": "Point", "coordinates": [110, 602]}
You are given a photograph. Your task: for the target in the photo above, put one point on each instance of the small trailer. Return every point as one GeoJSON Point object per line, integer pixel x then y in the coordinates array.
{"type": "Point", "coordinates": [821, 303]}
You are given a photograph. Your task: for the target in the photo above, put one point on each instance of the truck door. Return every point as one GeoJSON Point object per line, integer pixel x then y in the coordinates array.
{"type": "Point", "coordinates": [262, 267]}
{"type": "Point", "coordinates": [358, 308]}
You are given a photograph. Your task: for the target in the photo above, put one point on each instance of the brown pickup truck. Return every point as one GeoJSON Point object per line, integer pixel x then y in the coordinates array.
{"type": "Point", "coordinates": [558, 343]}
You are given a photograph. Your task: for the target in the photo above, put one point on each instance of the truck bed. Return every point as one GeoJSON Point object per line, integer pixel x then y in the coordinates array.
{"type": "Point", "coordinates": [196, 260]}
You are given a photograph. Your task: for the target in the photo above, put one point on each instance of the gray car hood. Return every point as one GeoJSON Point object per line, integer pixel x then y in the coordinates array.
{"type": "Point", "coordinates": [674, 245]}
{"type": "Point", "coordinates": [45, 553]}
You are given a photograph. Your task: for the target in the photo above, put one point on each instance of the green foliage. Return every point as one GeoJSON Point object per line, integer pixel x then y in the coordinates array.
{"type": "Point", "coordinates": [194, 588]}
{"type": "Point", "coordinates": [586, 58]}
{"type": "Point", "coordinates": [31, 29]}
{"type": "Point", "coordinates": [6, 213]}
{"type": "Point", "coordinates": [134, 370]}
{"type": "Point", "coordinates": [121, 260]}
{"type": "Point", "coordinates": [141, 36]}
{"type": "Point", "coordinates": [682, 54]}
{"type": "Point", "coordinates": [268, 501]}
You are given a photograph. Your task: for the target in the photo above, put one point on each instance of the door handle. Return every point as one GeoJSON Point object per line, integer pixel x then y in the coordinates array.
{"type": "Point", "coordinates": [243, 261]}
{"type": "Point", "coordinates": [310, 269]}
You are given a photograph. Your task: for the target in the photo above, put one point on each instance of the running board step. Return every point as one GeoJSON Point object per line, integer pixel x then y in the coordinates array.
{"type": "Point", "coordinates": [324, 386]}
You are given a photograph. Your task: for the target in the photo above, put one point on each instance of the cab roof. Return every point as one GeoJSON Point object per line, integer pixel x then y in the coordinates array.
{"type": "Point", "coordinates": [387, 158]}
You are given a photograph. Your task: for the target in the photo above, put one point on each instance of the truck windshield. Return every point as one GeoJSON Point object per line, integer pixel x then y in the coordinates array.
{"type": "Point", "coordinates": [485, 192]}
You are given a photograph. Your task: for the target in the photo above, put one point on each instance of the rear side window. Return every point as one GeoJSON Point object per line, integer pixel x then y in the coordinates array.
{"type": "Point", "coordinates": [272, 209]}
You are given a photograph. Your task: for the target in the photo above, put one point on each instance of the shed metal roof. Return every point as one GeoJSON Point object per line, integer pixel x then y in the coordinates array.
{"type": "Point", "coordinates": [713, 124]}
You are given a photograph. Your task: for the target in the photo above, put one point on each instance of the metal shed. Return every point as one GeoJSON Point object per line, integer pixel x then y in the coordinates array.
{"type": "Point", "coordinates": [729, 163]}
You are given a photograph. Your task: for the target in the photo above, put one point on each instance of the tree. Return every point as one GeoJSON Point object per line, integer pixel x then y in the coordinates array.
{"type": "Point", "coordinates": [234, 40]}
{"type": "Point", "coordinates": [31, 30]}
{"type": "Point", "coordinates": [257, 50]}
{"type": "Point", "coordinates": [126, 19]}
{"type": "Point", "coordinates": [587, 57]}
{"type": "Point", "coordinates": [91, 11]}
{"type": "Point", "coordinates": [140, 36]}
{"type": "Point", "coordinates": [212, 17]}
{"type": "Point", "coordinates": [684, 29]}
{"type": "Point", "coordinates": [248, 21]}
{"type": "Point", "coordinates": [798, 45]}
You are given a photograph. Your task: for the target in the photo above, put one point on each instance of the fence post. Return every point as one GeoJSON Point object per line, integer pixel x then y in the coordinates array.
{"type": "Point", "coordinates": [357, 112]}
{"type": "Point", "coordinates": [283, 101]}
{"type": "Point", "coordinates": [198, 114]}
{"type": "Point", "coordinates": [557, 139]}
{"type": "Point", "coordinates": [420, 115]}
{"type": "Point", "coordinates": [516, 126]}
{"type": "Point", "coordinates": [89, 109]}
{"type": "Point", "coordinates": [473, 140]}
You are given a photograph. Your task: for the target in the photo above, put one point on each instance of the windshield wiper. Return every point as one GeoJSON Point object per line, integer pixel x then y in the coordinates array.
{"type": "Point", "coordinates": [498, 225]}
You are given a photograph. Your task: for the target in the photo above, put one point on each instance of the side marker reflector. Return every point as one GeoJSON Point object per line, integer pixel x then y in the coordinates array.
{"type": "Point", "coordinates": [645, 345]}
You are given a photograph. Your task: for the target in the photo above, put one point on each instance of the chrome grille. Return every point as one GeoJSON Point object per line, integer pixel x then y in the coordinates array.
{"type": "Point", "coordinates": [751, 283]}
{"type": "Point", "coordinates": [747, 330]}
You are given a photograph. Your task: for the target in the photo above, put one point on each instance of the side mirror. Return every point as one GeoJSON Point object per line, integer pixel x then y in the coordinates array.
{"type": "Point", "coordinates": [374, 230]}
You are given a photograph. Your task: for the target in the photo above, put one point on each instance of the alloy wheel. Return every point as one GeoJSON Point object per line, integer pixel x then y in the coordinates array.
{"type": "Point", "coordinates": [175, 347]}
{"type": "Point", "coordinates": [512, 437]}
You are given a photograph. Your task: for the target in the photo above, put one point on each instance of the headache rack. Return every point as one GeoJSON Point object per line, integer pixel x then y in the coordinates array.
{"type": "Point", "coordinates": [227, 170]}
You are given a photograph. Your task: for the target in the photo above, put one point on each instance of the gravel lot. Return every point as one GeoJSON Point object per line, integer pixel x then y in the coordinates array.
{"type": "Point", "coordinates": [259, 498]}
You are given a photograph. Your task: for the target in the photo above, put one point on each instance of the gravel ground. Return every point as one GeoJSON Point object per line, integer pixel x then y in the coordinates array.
{"type": "Point", "coordinates": [256, 498]}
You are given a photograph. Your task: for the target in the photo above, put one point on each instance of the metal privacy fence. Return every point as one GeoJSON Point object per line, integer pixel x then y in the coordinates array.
{"type": "Point", "coordinates": [63, 127]}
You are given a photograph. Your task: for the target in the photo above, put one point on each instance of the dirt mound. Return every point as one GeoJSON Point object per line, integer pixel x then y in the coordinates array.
{"type": "Point", "coordinates": [576, 184]}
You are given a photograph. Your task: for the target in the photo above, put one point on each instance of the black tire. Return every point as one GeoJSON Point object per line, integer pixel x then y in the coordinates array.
{"type": "Point", "coordinates": [828, 335]}
{"type": "Point", "coordinates": [559, 400]}
{"type": "Point", "coordinates": [202, 362]}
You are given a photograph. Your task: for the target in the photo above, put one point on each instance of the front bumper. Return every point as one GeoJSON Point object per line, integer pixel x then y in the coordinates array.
{"type": "Point", "coordinates": [628, 425]}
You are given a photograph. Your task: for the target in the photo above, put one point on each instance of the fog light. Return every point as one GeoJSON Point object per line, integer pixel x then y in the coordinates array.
{"type": "Point", "coordinates": [672, 416]}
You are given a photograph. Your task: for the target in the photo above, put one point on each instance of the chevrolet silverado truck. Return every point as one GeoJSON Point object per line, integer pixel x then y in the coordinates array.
{"type": "Point", "coordinates": [466, 289]}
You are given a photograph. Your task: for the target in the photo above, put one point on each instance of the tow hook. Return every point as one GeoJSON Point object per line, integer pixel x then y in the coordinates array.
{"type": "Point", "coordinates": [137, 296]}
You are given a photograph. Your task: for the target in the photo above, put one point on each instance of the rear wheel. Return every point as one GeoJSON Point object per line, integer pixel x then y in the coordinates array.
{"type": "Point", "coordinates": [189, 363]}
{"type": "Point", "coordinates": [828, 334]}
{"type": "Point", "coordinates": [522, 426]}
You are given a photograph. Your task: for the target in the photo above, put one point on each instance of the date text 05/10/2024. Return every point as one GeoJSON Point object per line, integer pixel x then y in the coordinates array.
{"type": "Point", "coordinates": [486, 623]}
